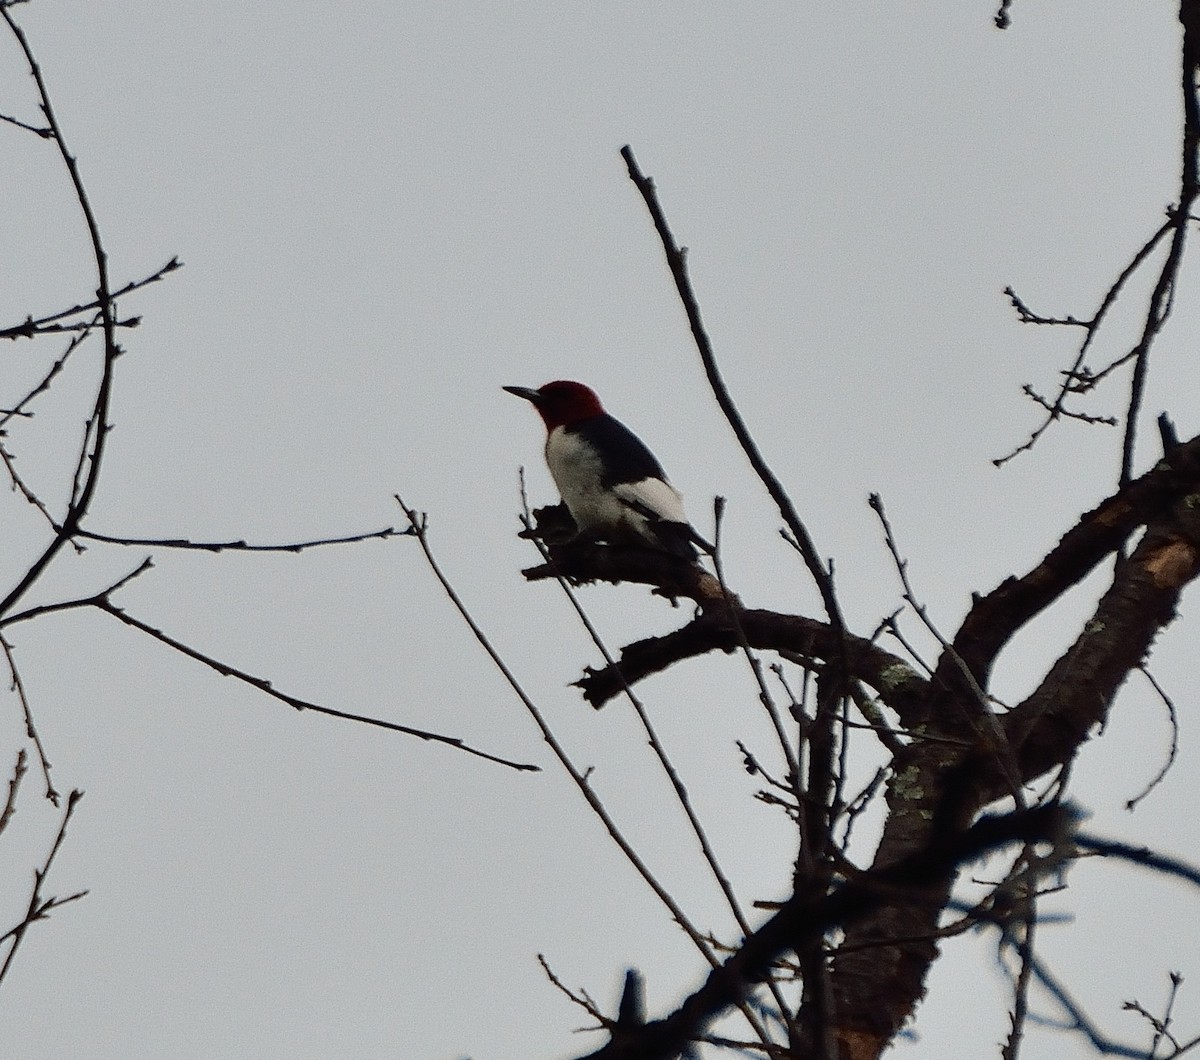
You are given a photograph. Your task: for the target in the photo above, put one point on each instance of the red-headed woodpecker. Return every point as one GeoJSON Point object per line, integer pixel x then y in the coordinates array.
{"type": "Point", "coordinates": [614, 488]}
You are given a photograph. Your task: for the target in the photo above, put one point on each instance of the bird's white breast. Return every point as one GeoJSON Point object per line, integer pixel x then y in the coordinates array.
{"type": "Point", "coordinates": [577, 471]}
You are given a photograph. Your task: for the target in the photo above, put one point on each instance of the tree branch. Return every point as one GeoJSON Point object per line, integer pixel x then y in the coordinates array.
{"type": "Point", "coordinates": [801, 921]}
{"type": "Point", "coordinates": [40, 908]}
{"type": "Point", "coordinates": [896, 682]}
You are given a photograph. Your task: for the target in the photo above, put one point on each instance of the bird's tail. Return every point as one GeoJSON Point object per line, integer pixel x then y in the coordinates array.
{"type": "Point", "coordinates": [680, 539]}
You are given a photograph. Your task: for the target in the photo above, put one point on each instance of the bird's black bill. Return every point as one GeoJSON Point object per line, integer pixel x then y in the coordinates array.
{"type": "Point", "coordinates": [526, 392]}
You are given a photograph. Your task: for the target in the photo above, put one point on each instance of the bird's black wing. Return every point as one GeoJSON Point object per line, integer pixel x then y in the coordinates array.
{"type": "Point", "coordinates": [629, 460]}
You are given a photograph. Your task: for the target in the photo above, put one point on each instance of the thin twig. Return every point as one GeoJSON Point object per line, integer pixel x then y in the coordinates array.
{"type": "Point", "coordinates": [1173, 720]}
{"type": "Point", "coordinates": [44, 383]}
{"type": "Point", "coordinates": [40, 610]}
{"type": "Point", "coordinates": [30, 328]}
{"type": "Point", "coordinates": [40, 325]}
{"type": "Point", "coordinates": [678, 266]}
{"type": "Point", "coordinates": [1163, 296]}
{"type": "Point", "coordinates": [24, 490]}
{"type": "Point", "coordinates": [37, 130]}
{"type": "Point", "coordinates": [1077, 377]}
{"type": "Point", "coordinates": [107, 606]}
{"type": "Point", "coordinates": [1159, 1025]}
{"type": "Point", "coordinates": [39, 908]}
{"type": "Point", "coordinates": [239, 545]}
{"type": "Point", "coordinates": [1005, 755]}
{"type": "Point", "coordinates": [14, 783]}
{"type": "Point", "coordinates": [419, 526]}
{"type": "Point", "coordinates": [892, 625]}
{"type": "Point", "coordinates": [103, 602]}
{"type": "Point", "coordinates": [18, 686]}
{"type": "Point", "coordinates": [1025, 951]}
{"type": "Point", "coordinates": [81, 498]}
{"type": "Point", "coordinates": [1078, 1021]}
{"type": "Point", "coordinates": [656, 745]}
{"type": "Point", "coordinates": [582, 1000]}
{"type": "Point", "coordinates": [752, 660]}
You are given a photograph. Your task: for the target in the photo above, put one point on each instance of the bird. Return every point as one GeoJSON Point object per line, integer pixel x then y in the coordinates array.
{"type": "Point", "coordinates": [613, 486]}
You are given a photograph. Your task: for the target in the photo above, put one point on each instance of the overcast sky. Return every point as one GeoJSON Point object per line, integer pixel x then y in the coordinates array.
{"type": "Point", "coordinates": [387, 211]}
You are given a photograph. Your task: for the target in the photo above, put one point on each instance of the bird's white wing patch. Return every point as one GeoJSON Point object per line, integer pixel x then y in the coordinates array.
{"type": "Point", "coordinates": [653, 498]}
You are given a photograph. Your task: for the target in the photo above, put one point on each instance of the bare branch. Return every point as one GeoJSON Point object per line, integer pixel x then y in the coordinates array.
{"type": "Point", "coordinates": [799, 921]}
{"type": "Point", "coordinates": [1160, 1025]}
{"type": "Point", "coordinates": [790, 757]}
{"type": "Point", "coordinates": [1078, 378]}
{"type": "Point", "coordinates": [1139, 855]}
{"type": "Point", "coordinates": [106, 605]}
{"type": "Point", "coordinates": [985, 718]}
{"type": "Point", "coordinates": [47, 324]}
{"type": "Point", "coordinates": [39, 908]}
{"type": "Point", "coordinates": [10, 803]}
{"type": "Point", "coordinates": [656, 745]}
{"type": "Point", "coordinates": [239, 545]}
{"type": "Point", "coordinates": [898, 685]}
{"type": "Point", "coordinates": [1173, 720]}
{"type": "Point", "coordinates": [582, 1000]}
{"type": "Point", "coordinates": [31, 731]}
{"type": "Point", "coordinates": [418, 524]}
{"type": "Point", "coordinates": [996, 617]}
{"type": "Point", "coordinates": [44, 383]}
{"type": "Point", "coordinates": [98, 421]}
{"type": "Point", "coordinates": [820, 572]}
{"type": "Point", "coordinates": [37, 130]}
{"type": "Point", "coordinates": [1162, 298]}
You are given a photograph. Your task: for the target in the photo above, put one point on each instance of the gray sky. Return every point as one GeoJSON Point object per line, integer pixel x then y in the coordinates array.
{"type": "Point", "coordinates": [387, 211]}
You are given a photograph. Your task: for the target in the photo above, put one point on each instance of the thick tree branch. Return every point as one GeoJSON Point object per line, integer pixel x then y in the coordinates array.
{"type": "Point", "coordinates": [996, 617]}
{"type": "Point", "coordinates": [1048, 727]}
{"type": "Point", "coordinates": [896, 682]}
{"type": "Point", "coordinates": [878, 986]}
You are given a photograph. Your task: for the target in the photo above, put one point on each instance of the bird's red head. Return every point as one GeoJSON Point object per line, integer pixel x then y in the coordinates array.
{"type": "Point", "coordinates": [562, 402]}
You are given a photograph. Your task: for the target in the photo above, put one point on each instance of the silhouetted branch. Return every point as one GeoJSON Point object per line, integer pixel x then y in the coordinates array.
{"type": "Point", "coordinates": [997, 616]}
{"type": "Point", "coordinates": [733, 607]}
{"type": "Point", "coordinates": [95, 435]}
{"type": "Point", "coordinates": [1142, 856]}
{"type": "Point", "coordinates": [106, 605]}
{"type": "Point", "coordinates": [239, 545]}
{"type": "Point", "coordinates": [1049, 725]}
{"type": "Point", "coordinates": [18, 686]}
{"type": "Point", "coordinates": [800, 921]}
{"type": "Point", "coordinates": [656, 745]}
{"type": "Point", "coordinates": [32, 326]}
{"type": "Point", "coordinates": [984, 719]}
{"type": "Point", "coordinates": [14, 784]}
{"type": "Point", "coordinates": [820, 572]}
{"type": "Point", "coordinates": [581, 999]}
{"type": "Point", "coordinates": [1078, 378]}
{"type": "Point", "coordinates": [40, 908]}
{"type": "Point", "coordinates": [102, 601]}
{"type": "Point", "coordinates": [673, 578]}
{"type": "Point", "coordinates": [418, 527]}
{"type": "Point", "coordinates": [1160, 1025]}
{"type": "Point", "coordinates": [37, 130]}
{"type": "Point", "coordinates": [1173, 721]}
{"type": "Point", "coordinates": [44, 383]}
{"type": "Point", "coordinates": [896, 682]}
{"type": "Point", "coordinates": [1162, 298]}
